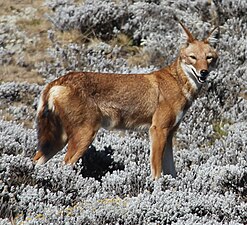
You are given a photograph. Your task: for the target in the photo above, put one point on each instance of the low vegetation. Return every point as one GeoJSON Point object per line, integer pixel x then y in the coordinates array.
{"type": "Point", "coordinates": [40, 41]}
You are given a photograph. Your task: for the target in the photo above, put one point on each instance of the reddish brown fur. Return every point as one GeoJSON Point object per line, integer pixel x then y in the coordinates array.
{"type": "Point", "coordinates": [76, 105]}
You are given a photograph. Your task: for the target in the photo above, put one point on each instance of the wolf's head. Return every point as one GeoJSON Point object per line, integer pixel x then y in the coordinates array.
{"type": "Point", "coordinates": [198, 57]}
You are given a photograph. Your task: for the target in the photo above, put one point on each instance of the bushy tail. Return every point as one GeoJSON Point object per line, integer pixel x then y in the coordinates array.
{"type": "Point", "coordinates": [51, 135]}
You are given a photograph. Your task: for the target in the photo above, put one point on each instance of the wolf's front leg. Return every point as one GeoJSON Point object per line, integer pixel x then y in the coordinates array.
{"type": "Point", "coordinates": [168, 160]}
{"type": "Point", "coordinates": [158, 138]}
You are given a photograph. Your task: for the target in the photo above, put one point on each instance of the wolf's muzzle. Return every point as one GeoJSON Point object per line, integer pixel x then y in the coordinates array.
{"type": "Point", "coordinates": [204, 73]}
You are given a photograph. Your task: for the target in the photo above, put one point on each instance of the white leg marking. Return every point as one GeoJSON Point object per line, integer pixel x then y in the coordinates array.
{"type": "Point", "coordinates": [179, 117]}
{"type": "Point", "coordinates": [168, 161]}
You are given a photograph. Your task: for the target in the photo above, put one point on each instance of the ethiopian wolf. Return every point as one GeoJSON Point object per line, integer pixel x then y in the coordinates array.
{"type": "Point", "coordinates": [75, 106]}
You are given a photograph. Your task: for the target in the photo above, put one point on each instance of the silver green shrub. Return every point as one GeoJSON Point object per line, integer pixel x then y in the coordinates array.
{"type": "Point", "coordinates": [112, 183]}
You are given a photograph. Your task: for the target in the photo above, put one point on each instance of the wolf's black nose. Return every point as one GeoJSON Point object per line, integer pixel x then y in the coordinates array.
{"type": "Point", "coordinates": [204, 73]}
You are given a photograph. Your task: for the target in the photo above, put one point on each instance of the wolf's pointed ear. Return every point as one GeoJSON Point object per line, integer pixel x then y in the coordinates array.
{"type": "Point", "coordinates": [212, 37]}
{"type": "Point", "coordinates": [187, 36]}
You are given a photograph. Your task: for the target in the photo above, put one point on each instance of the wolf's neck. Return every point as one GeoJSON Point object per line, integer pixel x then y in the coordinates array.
{"type": "Point", "coordinates": [189, 86]}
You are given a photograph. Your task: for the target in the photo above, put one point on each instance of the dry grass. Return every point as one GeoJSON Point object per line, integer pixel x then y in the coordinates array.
{"type": "Point", "coordinates": [36, 27]}
{"type": "Point", "coordinates": [72, 36]}
{"type": "Point", "coordinates": [7, 7]}
{"type": "Point", "coordinates": [141, 58]}
{"type": "Point", "coordinates": [19, 74]}
{"type": "Point", "coordinates": [134, 54]}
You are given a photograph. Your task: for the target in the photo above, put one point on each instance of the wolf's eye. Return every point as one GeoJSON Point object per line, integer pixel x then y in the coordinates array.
{"type": "Point", "coordinates": [192, 57]}
{"type": "Point", "coordinates": [209, 57]}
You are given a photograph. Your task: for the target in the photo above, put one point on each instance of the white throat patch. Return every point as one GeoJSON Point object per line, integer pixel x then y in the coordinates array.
{"type": "Point", "coordinates": [187, 69]}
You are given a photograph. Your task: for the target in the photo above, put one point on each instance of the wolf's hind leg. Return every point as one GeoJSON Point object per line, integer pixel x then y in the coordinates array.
{"type": "Point", "coordinates": [79, 143]}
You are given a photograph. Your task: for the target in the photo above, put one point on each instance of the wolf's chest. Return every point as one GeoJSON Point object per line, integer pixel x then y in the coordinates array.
{"type": "Point", "coordinates": [179, 117]}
